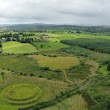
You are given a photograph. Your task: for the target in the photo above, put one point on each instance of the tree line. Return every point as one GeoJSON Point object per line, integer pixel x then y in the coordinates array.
{"type": "Point", "coordinates": [15, 37]}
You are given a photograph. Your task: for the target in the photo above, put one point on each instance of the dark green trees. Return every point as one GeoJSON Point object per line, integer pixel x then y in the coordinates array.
{"type": "Point", "coordinates": [108, 67]}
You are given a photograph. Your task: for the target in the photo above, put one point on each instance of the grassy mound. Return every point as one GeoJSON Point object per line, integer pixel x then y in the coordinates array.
{"type": "Point", "coordinates": [17, 47]}
{"type": "Point", "coordinates": [56, 62]}
{"type": "Point", "coordinates": [20, 94]}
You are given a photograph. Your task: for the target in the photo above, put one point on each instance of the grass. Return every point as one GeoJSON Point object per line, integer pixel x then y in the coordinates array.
{"type": "Point", "coordinates": [103, 70]}
{"type": "Point", "coordinates": [99, 87]}
{"type": "Point", "coordinates": [67, 36]}
{"type": "Point", "coordinates": [80, 72]}
{"type": "Point", "coordinates": [18, 64]}
{"type": "Point", "coordinates": [56, 62]}
{"type": "Point", "coordinates": [22, 65]}
{"type": "Point", "coordinates": [20, 94]}
{"type": "Point", "coordinates": [44, 46]}
{"type": "Point", "coordinates": [11, 83]}
{"type": "Point", "coordinates": [79, 51]}
{"type": "Point", "coordinates": [1, 78]}
{"type": "Point", "coordinates": [17, 47]}
{"type": "Point", "coordinates": [5, 71]}
{"type": "Point", "coordinates": [73, 103]}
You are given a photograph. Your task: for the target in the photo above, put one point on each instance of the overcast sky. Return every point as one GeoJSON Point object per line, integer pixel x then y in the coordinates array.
{"type": "Point", "coordinates": [76, 12]}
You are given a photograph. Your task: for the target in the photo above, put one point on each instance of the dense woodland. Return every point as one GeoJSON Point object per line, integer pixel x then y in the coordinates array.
{"type": "Point", "coordinates": [98, 45]}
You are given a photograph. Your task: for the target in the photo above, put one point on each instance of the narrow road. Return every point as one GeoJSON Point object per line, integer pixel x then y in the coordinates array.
{"type": "Point", "coordinates": [85, 84]}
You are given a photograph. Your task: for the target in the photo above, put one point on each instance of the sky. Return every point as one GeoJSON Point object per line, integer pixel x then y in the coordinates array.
{"type": "Point", "coordinates": [72, 12]}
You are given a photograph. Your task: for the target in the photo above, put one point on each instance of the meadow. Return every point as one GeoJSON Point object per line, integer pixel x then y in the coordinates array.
{"type": "Point", "coordinates": [13, 47]}
{"type": "Point", "coordinates": [45, 46]}
{"type": "Point", "coordinates": [56, 62]}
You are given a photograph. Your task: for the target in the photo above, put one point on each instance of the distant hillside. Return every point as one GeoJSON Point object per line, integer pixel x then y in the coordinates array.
{"type": "Point", "coordinates": [38, 27]}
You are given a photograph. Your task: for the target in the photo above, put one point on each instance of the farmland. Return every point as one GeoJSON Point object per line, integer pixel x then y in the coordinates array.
{"type": "Point", "coordinates": [54, 69]}
{"type": "Point", "coordinates": [45, 46]}
{"type": "Point", "coordinates": [17, 48]}
{"type": "Point", "coordinates": [56, 62]}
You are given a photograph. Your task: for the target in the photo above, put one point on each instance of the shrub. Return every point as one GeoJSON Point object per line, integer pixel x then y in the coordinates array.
{"type": "Point", "coordinates": [31, 74]}
{"type": "Point", "coordinates": [108, 67]}
{"type": "Point", "coordinates": [44, 68]}
{"type": "Point", "coordinates": [57, 70]}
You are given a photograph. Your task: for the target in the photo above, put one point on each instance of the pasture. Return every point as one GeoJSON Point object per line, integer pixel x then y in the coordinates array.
{"type": "Point", "coordinates": [56, 62]}
{"type": "Point", "coordinates": [13, 47]}
{"type": "Point", "coordinates": [45, 46]}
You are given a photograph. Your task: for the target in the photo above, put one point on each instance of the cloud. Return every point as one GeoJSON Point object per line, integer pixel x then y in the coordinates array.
{"type": "Point", "coordinates": [81, 12]}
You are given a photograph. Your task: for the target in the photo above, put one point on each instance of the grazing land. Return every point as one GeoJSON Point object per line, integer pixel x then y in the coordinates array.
{"type": "Point", "coordinates": [56, 62]}
{"type": "Point", "coordinates": [44, 46]}
{"type": "Point", "coordinates": [17, 48]}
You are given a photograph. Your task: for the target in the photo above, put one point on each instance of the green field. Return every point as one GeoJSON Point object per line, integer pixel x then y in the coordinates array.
{"type": "Point", "coordinates": [66, 36]}
{"type": "Point", "coordinates": [18, 64]}
{"type": "Point", "coordinates": [44, 46]}
{"type": "Point", "coordinates": [13, 47]}
{"type": "Point", "coordinates": [56, 62]}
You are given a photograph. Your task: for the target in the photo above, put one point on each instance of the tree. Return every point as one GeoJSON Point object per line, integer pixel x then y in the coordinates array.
{"type": "Point", "coordinates": [2, 74]}
{"type": "Point", "coordinates": [41, 46]}
{"type": "Point", "coordinates": [0, 44]}
{"type": "Point", "coordinates": [108, 67]}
